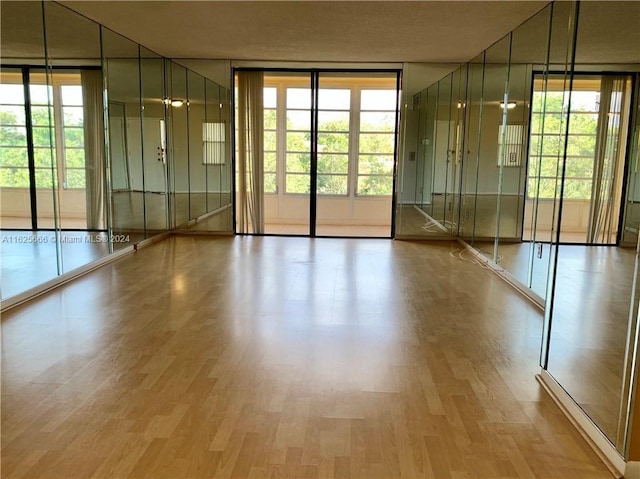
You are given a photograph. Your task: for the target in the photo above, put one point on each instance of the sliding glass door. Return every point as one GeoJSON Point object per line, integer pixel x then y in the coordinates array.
{"type": "Point", "coordinates": [356, 152]}
{"type": "Point", "coordinates": [288, 153]}
{"type": "Point", "coordinates": [325, 165]}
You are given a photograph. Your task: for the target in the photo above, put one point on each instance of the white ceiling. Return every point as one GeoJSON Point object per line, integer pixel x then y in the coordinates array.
{"type": "Point", "coordinates": [318, 31]}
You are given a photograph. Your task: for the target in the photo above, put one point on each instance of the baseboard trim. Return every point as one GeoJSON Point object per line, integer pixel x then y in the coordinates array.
{"type": "Point", "coordinates": [153, 239]}
{"type": "Point", "coordinates": [584, 425]}
{"type": "Point", "coordinates": [435, 222]}
{"type": "Point", "coordinates": [534, 298]}
{"type": "Point", "coordinates": [64, 278]}
{"type": "Point", "coordinates": [423, 238]}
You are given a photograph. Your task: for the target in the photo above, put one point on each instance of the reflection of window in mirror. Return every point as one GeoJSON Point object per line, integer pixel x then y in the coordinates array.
{"type": "Point", "coordinates": [57, 119]}
{"type": "Point", "coordinates": [586, 112]}
{"type": "Point", "coordinates": [213, 143]}
{"type": "Point", "coordinates": [510, 145]}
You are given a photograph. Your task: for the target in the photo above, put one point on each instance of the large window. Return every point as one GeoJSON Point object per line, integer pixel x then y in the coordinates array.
{"type": "Point", "coordinates": [356, 136]}
{"type": "Point", "coordinates": [56, 114]}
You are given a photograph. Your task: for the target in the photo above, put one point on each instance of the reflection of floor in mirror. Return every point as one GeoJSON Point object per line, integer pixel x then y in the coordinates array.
{"type": "Point", "coordinates": [30, 258]}
{"type": "Point", "coordinates": [24, 223]}
{"type": "Point", "coordinates": [516, 258]}
{"type": "Point", "coordinates": [577, 237]}
{"type": "Point", "coordinates": [412, 221]}
{"type": "Point", "coordinates": [590, 319]}
{"type": "Point", "coordinates": [220, 221]}
{"type": "Point", "coordinates": [130, 209]}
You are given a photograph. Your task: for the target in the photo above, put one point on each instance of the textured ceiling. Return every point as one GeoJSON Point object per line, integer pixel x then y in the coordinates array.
{"type": "Point", "coordinates": [334, 31]}
{"type": "Point", "coordinates": [436, 33]}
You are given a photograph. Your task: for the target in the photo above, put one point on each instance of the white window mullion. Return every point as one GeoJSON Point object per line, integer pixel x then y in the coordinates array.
{"type": "Point", "coordinates": [354, 141]}
{"type": "Point", "coordinates": [281, 138]}
{"type": "Point", "coordinates": [58, 122]}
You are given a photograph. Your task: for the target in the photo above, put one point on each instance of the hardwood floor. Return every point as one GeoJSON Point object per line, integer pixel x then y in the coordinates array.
{"type": "Point", "coordinates": [274, 357]}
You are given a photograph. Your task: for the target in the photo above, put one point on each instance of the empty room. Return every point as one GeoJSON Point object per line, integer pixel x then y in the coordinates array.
{"type": "Point", "coordinates": [319, 239]}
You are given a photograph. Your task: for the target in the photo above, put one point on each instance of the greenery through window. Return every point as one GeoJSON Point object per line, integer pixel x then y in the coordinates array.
{"type": "Point", "coordinates": [270, 127]}
{"type": "Point", "coordinates": [356, 139]}
{"type": "Point", "coordinates": [73, 152]}
{"type": "Point", "coordinates": [57, 127]}
{"type": "Point", "coordinates": [546, 146]}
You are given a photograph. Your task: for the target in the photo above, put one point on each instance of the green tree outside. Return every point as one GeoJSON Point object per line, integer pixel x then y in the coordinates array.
{"type": "Point", "coordinates": [375, 160]}
{"type": "Point", "coordinates": [546, 147]}
{"type": "Point", "coordinates": [14, 162]}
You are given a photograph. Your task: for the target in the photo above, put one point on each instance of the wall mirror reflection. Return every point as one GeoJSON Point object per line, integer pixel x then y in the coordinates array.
{"type": "Point", "coordinates": [594, 301]}
{"type": "Point", "coordinates": [86, 148]}
{"type": "Point", "coordinates": [121, 67]}
{"type": "Point", "coordinates": [52, 167]}
{"type": "Point", "coordinates": [548, 186]}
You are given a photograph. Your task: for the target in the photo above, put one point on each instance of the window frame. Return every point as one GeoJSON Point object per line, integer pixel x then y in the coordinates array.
{"type": "Point", "coordinates": [55, 81]}
{"type": "Point", "coordinates": [538, 155]}
{"type": "Point", "coordinates": [353, 174]}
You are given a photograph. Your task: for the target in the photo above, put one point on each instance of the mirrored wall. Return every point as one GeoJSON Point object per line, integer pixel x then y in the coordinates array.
{"type": "Point", "coordinates": [104, 144]}
{"type": "Point", "coordinates": [529, 153]}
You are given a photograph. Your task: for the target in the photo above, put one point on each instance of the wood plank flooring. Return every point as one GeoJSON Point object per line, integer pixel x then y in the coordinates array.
{"type": "Point", "coordinates": [272, 357]}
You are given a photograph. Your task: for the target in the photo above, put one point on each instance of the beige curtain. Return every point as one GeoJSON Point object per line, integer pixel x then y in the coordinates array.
{"type": "Point", "coordinates": [250, 211]}
{"type": "Point", "coordinates": [94, 147]}
{"type": "Point", "coordinates": [607, 162]}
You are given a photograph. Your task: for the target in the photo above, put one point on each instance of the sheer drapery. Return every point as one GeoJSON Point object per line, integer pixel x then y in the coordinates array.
{"type": "Point", "coordinates": [607, 161]}
{"type": "Point", "coordinates": [93, 147]}
{"type": "Point", "coordinates": [250, 211]}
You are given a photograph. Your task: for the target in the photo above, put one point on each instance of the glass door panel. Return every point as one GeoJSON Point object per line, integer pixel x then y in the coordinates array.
{"type": "Point", "coordinates": [154, 142]}
{"type": "Point", "coordinates": [287, 210]}
{"type": "Point", "coordinates": [273, 167]}
{"type": "Point", "coordinates": [328, 153]}
{"type": "Point", "coordinates": [356, 153]}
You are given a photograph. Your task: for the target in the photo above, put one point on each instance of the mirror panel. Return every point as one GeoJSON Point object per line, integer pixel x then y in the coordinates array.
{"type": "Point", "coordinates": [444, 131]}
{"type": "Point", "coordinates": [28, 172]}
{"type": "Point", "coordinates": [84, 155]}
{"type": "Point", "coordinates": [215, 137]}
{"type": "Point", "coordinates": [594, 294]}
{"type": "Point", "coordinates": [154, 142]}
{"type": "Point", "coordinates": [178, 144]}
{"type": "Point", "coordinates": [471, 165]}
{"type": "Point", "coordinates": [213, 132]}
{"type": "Point", "coordinates": [197, 167]}
{"type": "Point", "coordinates": [456, 148]}
{"type": "Point", "coordinates": [121, 69]}
{"type": "Point", "coordinates": [76, 90]}
{"type": "Point", "coordinates": [226, 184]}
{"type": "Point", "coordinates": [492, 150]}
{"type": "Point", "coordinates": [524, 250]}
